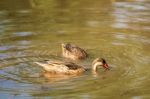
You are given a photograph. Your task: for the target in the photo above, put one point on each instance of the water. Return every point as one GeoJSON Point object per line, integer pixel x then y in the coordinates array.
{"type": "Point", "coordinates": [117, 30]}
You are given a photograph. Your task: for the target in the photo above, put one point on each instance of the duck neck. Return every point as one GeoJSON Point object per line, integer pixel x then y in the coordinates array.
{"type": "Point", "coordinates": [94, 67]}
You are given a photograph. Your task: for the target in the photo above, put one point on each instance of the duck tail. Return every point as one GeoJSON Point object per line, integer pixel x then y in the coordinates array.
{"type": "Point", "coordinates": [40, 64]}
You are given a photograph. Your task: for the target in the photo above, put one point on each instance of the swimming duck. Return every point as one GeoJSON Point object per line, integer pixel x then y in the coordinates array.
{"type": "Point", "coordinates": [70, 68]}
{"type": "Point", "coordinates": [73, 52]}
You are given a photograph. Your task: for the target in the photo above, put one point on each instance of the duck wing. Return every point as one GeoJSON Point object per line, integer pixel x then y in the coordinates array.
{"type": "Point", "coordinates": [53, 67]}
{"type": "Point", "coordinates": [72, 66]}
{"type": "Point", "coordinates": [58, 66]}
{"type": "Point", "coordinates": [78, 51]}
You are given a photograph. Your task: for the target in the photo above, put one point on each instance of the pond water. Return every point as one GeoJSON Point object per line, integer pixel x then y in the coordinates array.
{"type": "Point", "coordinates": [117, 30]}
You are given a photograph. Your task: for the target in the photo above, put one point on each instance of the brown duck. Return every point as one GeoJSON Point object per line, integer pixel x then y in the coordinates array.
{"type": "Point", "coordinates": [70, 68]}
{"type": "Point", "coordinates": [73, 52]}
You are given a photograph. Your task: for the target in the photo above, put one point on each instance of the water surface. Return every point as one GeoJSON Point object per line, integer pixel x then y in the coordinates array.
{"type": "Point", "coordinates": [117, 30]}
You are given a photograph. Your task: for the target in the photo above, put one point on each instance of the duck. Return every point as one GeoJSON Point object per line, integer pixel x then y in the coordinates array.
{"type": "Point", "coordinates": [73, 52]}
{"type": "Point", "coordinates": [70, 68]}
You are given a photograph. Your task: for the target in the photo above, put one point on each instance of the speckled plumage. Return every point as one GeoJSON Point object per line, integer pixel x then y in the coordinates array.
{"type": "Point", "coordinates": [59, 67]}
{"type": "Point", "coordinates": [73, 52]}
{"type": "Point", "coordinates": [68, 68]}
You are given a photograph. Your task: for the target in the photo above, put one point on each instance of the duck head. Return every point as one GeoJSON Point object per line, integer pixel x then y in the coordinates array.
{"type": "Point", "coordinates": [99, 62]}
{"type": "Point", "coordinates": [66, 46]}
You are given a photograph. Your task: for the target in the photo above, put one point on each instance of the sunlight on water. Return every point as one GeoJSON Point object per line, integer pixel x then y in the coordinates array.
{"type": "Point", "coordinates": [33, 30]}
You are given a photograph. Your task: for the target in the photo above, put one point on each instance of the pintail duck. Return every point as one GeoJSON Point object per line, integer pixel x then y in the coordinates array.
{"type": "Point", "coordinates": [70, 68]}
{"type": "Point", "coordinates": [73, 52]}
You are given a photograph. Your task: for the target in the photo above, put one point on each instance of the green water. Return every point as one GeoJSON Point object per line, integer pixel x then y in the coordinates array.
{"type": "Point", "coordinates": [117, 30]}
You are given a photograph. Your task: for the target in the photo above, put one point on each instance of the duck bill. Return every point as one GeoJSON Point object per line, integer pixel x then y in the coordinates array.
{"type": "Point", "coordinates": [106, 66]}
